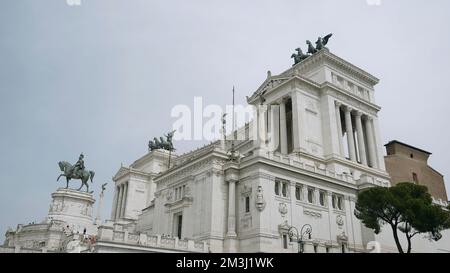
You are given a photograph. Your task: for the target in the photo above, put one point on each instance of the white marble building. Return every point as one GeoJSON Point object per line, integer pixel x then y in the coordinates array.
{"type": "Point", "coordinates": [323, 114]}
{"type": "Point", "coordinates": [325, 119]}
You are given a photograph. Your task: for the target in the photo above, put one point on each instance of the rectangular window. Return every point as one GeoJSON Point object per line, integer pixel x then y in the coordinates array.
{"type": "Point", "coordinates": [322, 198]}
{"type": "Point", "coordinates": [179, 225]}
{"type": "Point", "coordinates": [284, 189]}
{"type": "Point", "coordinates": [310, 195]}
{"type": "Point", "coordinates": [285, 241]}
{"type": "Point", "coordinates": [277, 187]}
{"type": "Point", "coordinates": [337, 202]}
{"type": "Point", "coordinates": [298, 192]}
{"type": "Point", "coordinates": [247, 204]}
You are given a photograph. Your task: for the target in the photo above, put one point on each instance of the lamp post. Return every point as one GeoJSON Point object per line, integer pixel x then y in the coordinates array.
{"type": "Point", "coordinates": [305, 230]}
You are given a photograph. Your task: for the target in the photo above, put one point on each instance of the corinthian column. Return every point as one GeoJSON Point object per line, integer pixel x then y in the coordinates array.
{"type": "Point", "coordinates": [119, 202]}
{"type": "Point", "coordinates": [231, 231]}
{"type": "Point", "coordinates": [339, 126]}
{"type": "Point", "coordinates": [275, 126]}
{"type": "Point", "coordinates": [116, 197]}
{"type": "Point", "coordinates": [361, 144]}
{"type": "Point", "coordinates": [283, 128]}
{"type": "Point", "coordinates": [124, 199]}
{"type": "Point", "coordinates": [349, 129]}
{"type": "Point", "coordinates": [371, 143]}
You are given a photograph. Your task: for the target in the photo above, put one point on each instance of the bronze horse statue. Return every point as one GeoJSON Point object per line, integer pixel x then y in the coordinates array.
{"type": "Point", "coordinates": [161, 143]}
{"type": "Point", "coordinates": [83, 175]}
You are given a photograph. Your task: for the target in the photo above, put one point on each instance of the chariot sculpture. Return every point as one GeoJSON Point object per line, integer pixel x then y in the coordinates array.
{"type": "Point", "coordinates": [320, 44]}
{"type": "Point", "coordinates": [161, 143]}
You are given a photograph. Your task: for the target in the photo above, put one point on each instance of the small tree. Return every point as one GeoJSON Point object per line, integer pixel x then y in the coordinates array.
{"type": "Point", "coordinates": [406, 207]}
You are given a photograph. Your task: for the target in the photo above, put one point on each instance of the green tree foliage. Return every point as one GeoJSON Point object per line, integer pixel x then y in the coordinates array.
{"type": "Point", "coordinates": [406, 207]}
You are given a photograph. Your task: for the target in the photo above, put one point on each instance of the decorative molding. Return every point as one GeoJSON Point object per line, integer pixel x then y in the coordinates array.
{"type": "Point", "coordinates": [340, 221]}
{"type": "Point", "coordinates": [260, 202]}
{"type": "Point", "coordinates": [312, 213]}
{"type": "Point", "coordinates": [282, 208]}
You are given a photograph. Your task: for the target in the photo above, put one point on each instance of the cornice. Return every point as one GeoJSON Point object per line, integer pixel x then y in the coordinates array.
{"type": "Point", "coordinates": [124, 171]}
{"type": "Point", "coordinates": [323, 57]}
{"type": "Point", "coordinates": [349, 98]}
{"type": "Point", "coordinates": [181, 170]}
{"type": "Point", "coordinates": [157, 154]}
{"type": "Point", "coordinates": [281, 165]}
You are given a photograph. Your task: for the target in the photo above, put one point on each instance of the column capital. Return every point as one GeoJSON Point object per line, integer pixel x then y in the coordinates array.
{"type": "Point", "coordinates": [337, 103]}
{"type": "Point", "coordinates": [367, 117]}
{"type": "Point", "coordinates": [348, 108]}
{"type": "Point", "coordinates": [358, 113]}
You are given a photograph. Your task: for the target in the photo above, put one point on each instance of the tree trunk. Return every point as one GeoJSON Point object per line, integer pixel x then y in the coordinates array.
{"type": "Point", "coordinates": [409, 243]}
{"type": "Point", "coordinates": [408, 238]}
{"type": "Point", "coordinates": [397, 242]}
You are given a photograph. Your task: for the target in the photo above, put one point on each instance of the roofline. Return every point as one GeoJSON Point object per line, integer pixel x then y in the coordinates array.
{"type": "Point", "coordinates": [407, 145]}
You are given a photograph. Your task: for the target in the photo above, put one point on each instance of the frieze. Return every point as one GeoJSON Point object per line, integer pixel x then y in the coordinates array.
{"type": "Point", "coordinates": [312, 213]}
{"type": "Point", "coordinates": [177, 174]}
{"type": "Point", "coordinates": [352, 101]}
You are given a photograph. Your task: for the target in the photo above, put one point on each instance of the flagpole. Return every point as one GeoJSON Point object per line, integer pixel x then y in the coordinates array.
{"type": "Point", "coordinates": [233, 128]}
{"type": "Point", "coordinates": [233, 124]}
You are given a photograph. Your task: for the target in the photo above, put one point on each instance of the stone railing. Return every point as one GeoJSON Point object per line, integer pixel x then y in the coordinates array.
{"type": "Point", "coordinates": [18, 249]}
{"type": "Point", "coordinates": [294, 161]}
{"type": "Point", "coordinates": [108, 234]}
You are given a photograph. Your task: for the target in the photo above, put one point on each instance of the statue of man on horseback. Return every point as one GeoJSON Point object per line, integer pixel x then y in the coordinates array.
{"type": "Point", "coordinates": [78, 166]}
{"type": "Point", "coordinates": [76, 171]}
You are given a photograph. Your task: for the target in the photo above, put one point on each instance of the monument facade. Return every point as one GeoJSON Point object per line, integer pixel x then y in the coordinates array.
{"type": "Point", "coordinates": [288, 184]}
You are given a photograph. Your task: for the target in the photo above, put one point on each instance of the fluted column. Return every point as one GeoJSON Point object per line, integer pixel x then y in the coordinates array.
{"type": "Point", "coordinates": [371, 142]}
{"type": "Point", "coordinates": [296, 122]}
{"type": "Point", "coordinates": [231, 231]}
{"type": "Point", "coordinates": [124, 199]}
{"type": "Point", "coordinates": [330, 212]}
{"type": "Point", "coordinates": [119, 202]}
{"type": "Point", "coordinates": [361, 144]}
{"type": "Point", "coordinates": [349, 129]}
{"type": "Point", "coordinates": [231, 244]}
{"type": "Point", "coordinates": [339, 126]}
{"type": "Point", "coordinates": [283, 128]}
{"type": "Point", "coordinates": [275, 126]}
{"type": "Point", "coordinates": [116, 196]}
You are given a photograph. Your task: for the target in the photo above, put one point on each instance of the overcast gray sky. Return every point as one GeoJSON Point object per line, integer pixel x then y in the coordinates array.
{"type": "Point", "coordinates": [101, 78]}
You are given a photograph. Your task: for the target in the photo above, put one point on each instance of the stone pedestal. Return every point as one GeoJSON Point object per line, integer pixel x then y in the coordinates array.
{"type": "Point", "coordinates": [75, 208]}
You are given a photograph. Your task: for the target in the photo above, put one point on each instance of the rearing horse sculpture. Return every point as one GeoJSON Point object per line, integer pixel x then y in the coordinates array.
{"type": "Point", "coordinates": [83, 175]}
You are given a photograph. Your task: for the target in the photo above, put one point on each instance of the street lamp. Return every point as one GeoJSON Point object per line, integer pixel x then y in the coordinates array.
{"type": "Point", "coordinates": [305, 230]}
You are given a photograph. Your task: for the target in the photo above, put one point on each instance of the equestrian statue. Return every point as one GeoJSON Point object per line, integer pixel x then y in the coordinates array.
{"type": "Point", "coordinates": [76, 171]}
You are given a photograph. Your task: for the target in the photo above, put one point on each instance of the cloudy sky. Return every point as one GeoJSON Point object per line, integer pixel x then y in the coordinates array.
{"type": "Point", "coordinates": [101, 78]}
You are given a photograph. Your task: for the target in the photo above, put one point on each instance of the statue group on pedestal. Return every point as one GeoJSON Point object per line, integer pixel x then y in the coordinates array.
{"type": "Point", "coordinates": [76, 171]}
{"type": "Point", "coordinates": [320, 44]}
{"type": "Point", "coordinates": [161, 143]}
